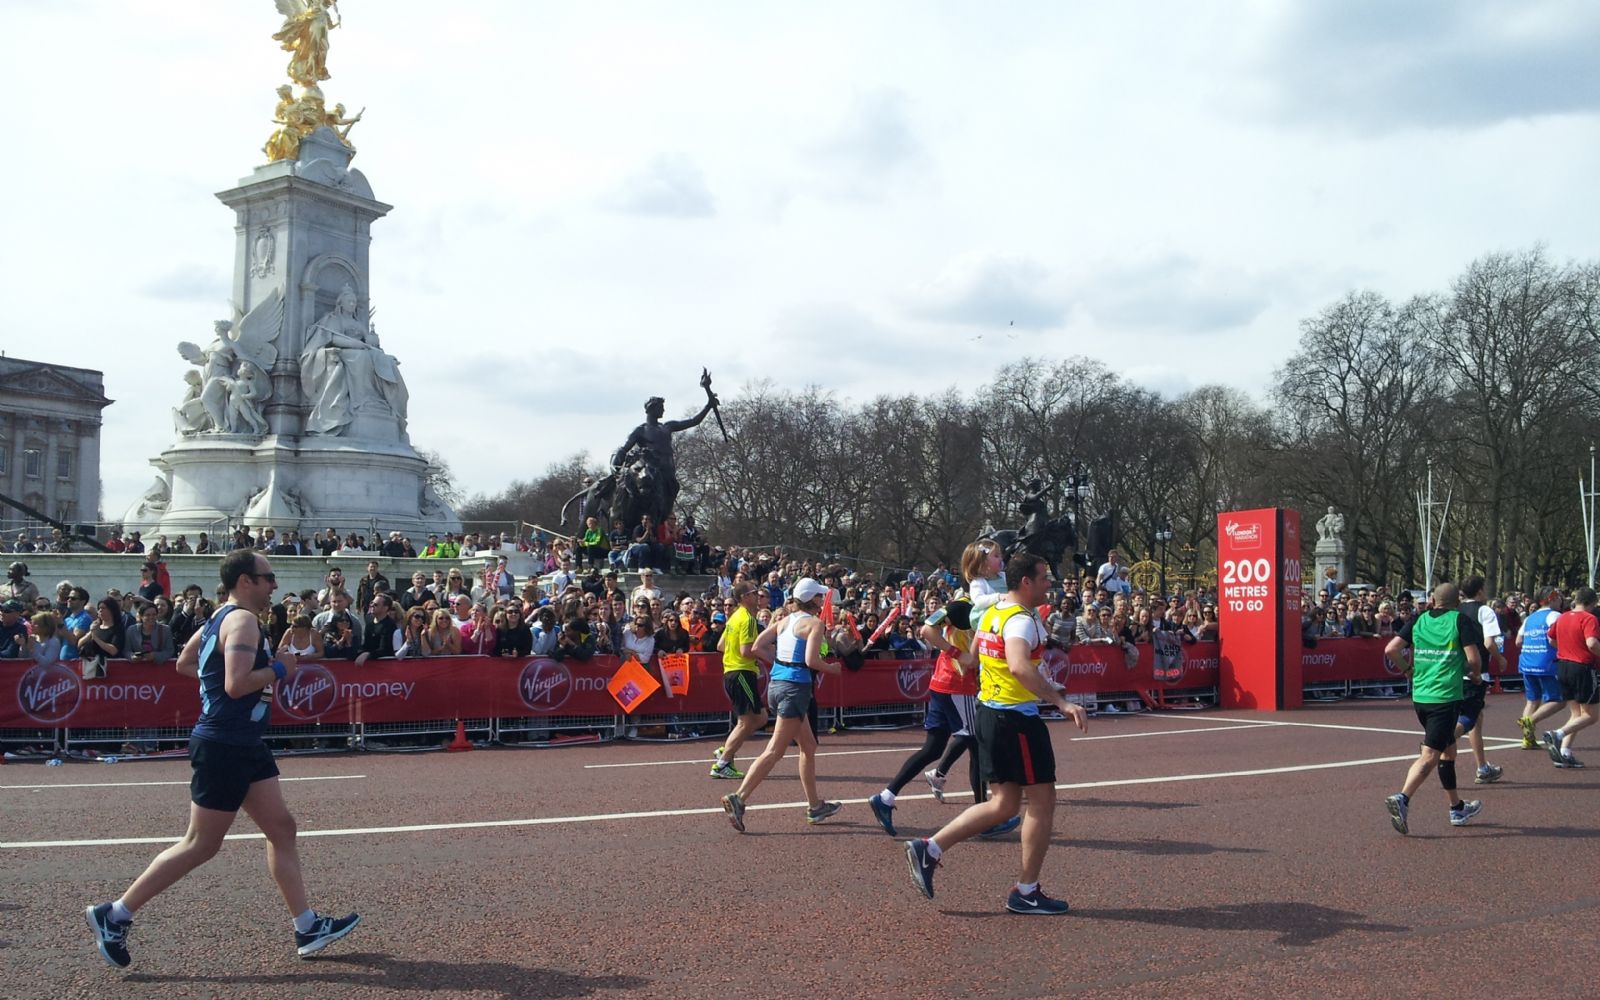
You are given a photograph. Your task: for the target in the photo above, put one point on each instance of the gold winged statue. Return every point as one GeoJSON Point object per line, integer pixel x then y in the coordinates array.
{"type": "Point", "coordinates": [306, 24]}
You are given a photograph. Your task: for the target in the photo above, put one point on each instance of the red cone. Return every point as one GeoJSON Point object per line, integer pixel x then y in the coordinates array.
{"type": "Point", "coordinates": [460, 743]}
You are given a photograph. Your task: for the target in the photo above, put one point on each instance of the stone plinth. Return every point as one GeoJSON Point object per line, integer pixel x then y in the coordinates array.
{"type": "Point", "coordinates": [321, 440]}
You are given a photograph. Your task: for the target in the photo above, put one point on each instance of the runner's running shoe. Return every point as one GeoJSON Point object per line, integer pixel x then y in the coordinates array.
{"type": "Point", "coordinates": [936, 782]}
{"type": "Point", "coordinates": [1463, 816]}
{"type": "Point", "coordinates": [883, 812]}
{"type": "Point", "coordinates": [1035, 903]}
{"type": "Point", "coordinates": [110, 935]}
{"type": "Point", "coordinates": [1398, 807]}
{"type": "Point", "coordinates": [822, 812]}
{"type": "Point", "coordinates": [1567, 760]}
{"type": "Point", "coordinates": [1552, 744]}
{"type": "Point", "coordinates": [733, 805]}
{"type": "Point", "coordinates": [324, 932]}
{"type": "Point", "coordinates": [1001, 829]}
{"type": "Point", "coordinates": [922, 866]}
{"type": "Point", "coordinates": [1529, 742]}
{"type": "Point", "coordinates": [726, 771]}
{"type": "Point", "coordinates": [1488, 774]}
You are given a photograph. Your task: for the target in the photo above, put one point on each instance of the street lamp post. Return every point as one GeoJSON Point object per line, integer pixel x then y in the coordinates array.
{"type": "Point", "coordinates": [1077, 488]}
{"type": "Point", "coordinates": [1164, 535]}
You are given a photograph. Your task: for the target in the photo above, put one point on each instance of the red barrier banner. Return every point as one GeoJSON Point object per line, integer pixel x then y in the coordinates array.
{"type": "Point", "coordinates": [139, 695]}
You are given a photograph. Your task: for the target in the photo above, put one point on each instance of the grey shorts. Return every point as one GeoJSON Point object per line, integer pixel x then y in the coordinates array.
{"type": "Point", "coordinates": [788, 700]}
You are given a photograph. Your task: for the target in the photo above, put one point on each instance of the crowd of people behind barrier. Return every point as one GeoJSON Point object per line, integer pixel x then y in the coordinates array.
{"type": "Point", "coordinates": [593, 597]}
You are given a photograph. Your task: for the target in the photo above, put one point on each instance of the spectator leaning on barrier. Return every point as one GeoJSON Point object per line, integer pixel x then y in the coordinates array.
{"type": "Point", "coordinates": [149, 641]}
{"type": "Point", "coordinates": [379, 630]}
{"type": "Point", "coordinates": [514, 638]}
{"type": "Point", "coordinates": [15, 639]}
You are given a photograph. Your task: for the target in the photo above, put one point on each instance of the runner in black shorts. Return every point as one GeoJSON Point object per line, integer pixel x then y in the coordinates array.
{"type": "Point", "coordinates": [1577, 642]}
{"type": "Point", "coordinates": [232, 766]}
{"type": "Point", "coordinates": [1013, 743]}
{"type": "Point", "coordinates": [1439, 650]}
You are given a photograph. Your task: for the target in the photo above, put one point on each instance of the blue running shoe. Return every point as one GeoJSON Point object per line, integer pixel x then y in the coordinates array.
{"type": "Point", "coordinates": [1469, 809]}
{"type": "Point", "coordinates": [1398, 807]}
{"type": "Point", "coordinates": [1001, 829]}
{"type": "Point", "coordinates": [1035, 903]}
{"type": "Point", "coordinates": [325, 931]}
{"type": "Point", "coordinates": [922, 866]}
{"type": "Point", "coordinates": [884, 814]}
{"type": "Point", "coordinates": [110, 935]}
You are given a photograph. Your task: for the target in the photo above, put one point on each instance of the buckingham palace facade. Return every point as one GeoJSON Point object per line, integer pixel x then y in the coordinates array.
{"type": "Point", "coordinates": [50, 439]}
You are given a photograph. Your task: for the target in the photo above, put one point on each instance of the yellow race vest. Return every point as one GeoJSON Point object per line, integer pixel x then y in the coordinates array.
{"type": "Point", "coordinates": [995, 683]}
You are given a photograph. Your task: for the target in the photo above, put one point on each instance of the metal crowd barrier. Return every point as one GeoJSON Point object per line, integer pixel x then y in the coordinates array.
{"type": "Point", "coordinates": [557, 730]}
{"type": "Point", "coordinates": [902, 714]}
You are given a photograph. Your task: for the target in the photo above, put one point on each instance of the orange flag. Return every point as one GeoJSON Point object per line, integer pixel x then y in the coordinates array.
{"type": "Point", "coordinates": [631, 685]}
{"type": "Point", "coordinates": [674, 673]}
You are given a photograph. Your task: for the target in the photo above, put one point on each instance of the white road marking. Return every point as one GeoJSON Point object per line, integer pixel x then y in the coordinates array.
{"type": "Point", "coordinates": [707, 759]}
{"type": "Point", "coordinates": [1167, 732]}
{"type": "Point", "coordinates": [671, 813]}
{"type": "Point", "coordinates": [148, 784]}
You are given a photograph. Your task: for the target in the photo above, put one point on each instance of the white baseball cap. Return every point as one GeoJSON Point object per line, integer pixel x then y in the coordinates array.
{"type": "Point", "coordinates": [808, 590]}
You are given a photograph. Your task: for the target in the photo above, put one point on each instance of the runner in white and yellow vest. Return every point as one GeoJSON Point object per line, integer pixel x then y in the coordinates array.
{"type": "Point", "coordinates": [1013, 743]}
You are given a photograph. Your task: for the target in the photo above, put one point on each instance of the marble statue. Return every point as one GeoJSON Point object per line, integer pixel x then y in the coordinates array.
{"type": "Point", "coordinates": [1330, 528]}
{"type": "Point", "coordinates": [306, 24]}
{"type": "Point", "coordinates": [344, 370]}
{"type": "Point", "coordinates": [226, 394]}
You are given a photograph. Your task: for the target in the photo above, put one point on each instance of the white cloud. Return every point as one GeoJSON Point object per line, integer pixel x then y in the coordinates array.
{"type": "Point", "coordinates": [992, 291]}
{"type": "Point", "coordinates": [671, 185]}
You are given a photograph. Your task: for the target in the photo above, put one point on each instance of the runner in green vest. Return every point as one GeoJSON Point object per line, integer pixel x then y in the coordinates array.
{"type": "Point", "coordinates": [1442, 644]}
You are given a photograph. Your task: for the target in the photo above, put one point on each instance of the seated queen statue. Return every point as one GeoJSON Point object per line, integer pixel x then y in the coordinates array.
{"type": "Point", "coordinates": [346, 374]}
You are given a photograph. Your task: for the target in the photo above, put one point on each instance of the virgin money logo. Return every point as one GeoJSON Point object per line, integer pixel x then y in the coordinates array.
{"type": "Point", "coordinates": [49, 694]}
{"type": "Point", "coordinates": [545, 685]}
{"type": "Point", "coordinates": [1243, 536]}
{"type": "Point", "coordinates": [912, 678]}
{"type": "Point", "coordinates": [309, 694]}
{"type": "Point", "coordinates": [1057, 666]}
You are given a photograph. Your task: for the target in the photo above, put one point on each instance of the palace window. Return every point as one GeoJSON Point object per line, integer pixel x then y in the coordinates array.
{"type": "Point", "coordinates": [64, 464]}
{"type": "Point", "coordinates": [33, 463]}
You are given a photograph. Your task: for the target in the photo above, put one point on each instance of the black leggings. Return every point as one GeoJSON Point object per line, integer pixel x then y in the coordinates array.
{"type": "Point", "coordinates": [934, 745]}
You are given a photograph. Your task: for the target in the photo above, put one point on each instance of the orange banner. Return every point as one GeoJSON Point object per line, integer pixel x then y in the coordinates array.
{"type": "Point", "coordinates": [631, 685]}
{"type": "Point", "coordinates": [674, 673]}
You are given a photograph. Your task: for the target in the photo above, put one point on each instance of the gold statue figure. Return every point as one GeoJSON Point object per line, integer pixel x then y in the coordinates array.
{"type": "Point", "coordinates": [299, 118]}
{"type": "Point", "coordinates": [306, 24]}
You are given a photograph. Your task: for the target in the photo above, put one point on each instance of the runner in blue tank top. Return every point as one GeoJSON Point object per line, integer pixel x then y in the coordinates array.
{"type": "Point", "coordinates": [794, 648]}
{"type": "Point", "coordinates": [232, 767]}
{"type": "Point", "coordinates": [1536, 661]}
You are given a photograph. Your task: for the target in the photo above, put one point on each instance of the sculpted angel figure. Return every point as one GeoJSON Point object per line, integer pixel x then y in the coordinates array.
{"type": "Point", "coordinates": [306, 24]}
{"type": "Point", "coordinates": [235, 364]}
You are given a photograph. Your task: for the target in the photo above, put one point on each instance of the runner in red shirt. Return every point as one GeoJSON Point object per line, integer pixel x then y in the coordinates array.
{"type": "Point", "coordinates": [1577, 637]}
{"type": "Point", "coordinates": [952, 702]}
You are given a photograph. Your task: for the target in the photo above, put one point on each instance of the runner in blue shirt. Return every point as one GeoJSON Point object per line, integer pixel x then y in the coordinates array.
{"type": "Point", "coordinates": [1536, 662]}
{"type": "Point", "coordinates": [232, 766]}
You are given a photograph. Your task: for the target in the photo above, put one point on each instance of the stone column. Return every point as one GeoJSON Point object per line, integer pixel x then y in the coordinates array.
{"type": "Point", "coordinates": [89, 472]}
{"type": "Point", "coordinates": [53, 430]}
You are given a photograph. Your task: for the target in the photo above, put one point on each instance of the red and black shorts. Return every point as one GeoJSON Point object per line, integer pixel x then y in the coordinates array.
{"type": "Point", "coordinates": [1014, 748]}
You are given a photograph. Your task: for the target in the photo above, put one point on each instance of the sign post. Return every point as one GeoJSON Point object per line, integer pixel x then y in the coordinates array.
{"type": "Point", "coordinates": [1258, 608]}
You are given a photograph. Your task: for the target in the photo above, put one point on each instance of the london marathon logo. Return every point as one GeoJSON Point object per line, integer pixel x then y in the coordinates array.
{"type": "Point", "coordinates": [545, 685]}
{"type": "Point", "coordinates": [310, 693]}
{"type": "Point", "coordinates": [49, 694]}
{"type": "Point", "coordinates": [1243, 536]}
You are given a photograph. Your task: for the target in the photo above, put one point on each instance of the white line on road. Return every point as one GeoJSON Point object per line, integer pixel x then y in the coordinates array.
{"type": "Point", "coordinates": [148, 784]}
{"type": "Point", "coordinates": [707, 759]}
{"type": "Point", "coordinates": [669, 813]}
{"type": "Point", "coordinates": [1168, 732]}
